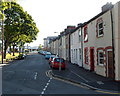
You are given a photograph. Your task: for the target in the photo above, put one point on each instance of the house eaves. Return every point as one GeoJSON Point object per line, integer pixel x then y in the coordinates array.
{"type": "Point", "coordinates": [92, 19]}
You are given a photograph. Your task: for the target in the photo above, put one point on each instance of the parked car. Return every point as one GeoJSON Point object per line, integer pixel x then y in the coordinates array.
{"type": "Point", "coordinates": [47, 55]}
{"type": "Point", "coordinates": [21, 56]}
{"type": "Point", "coordinates": [51, 58]}
{"type": "Point", "coordinates": [40, 51]}
{"type": "Point", "coordinates": [58, 62]}
{"type": "Point", "coordinates": [44, 53]}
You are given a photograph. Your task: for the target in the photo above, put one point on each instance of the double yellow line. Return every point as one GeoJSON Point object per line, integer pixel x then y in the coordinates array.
{"type": "Point", "coordinates": [106, 92]}
{"type": "Point", "coordinates": [100, 91]}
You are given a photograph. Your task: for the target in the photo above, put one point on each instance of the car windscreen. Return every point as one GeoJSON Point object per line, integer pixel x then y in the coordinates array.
{"type": "Point", "coordinates": [48, 54]}
{"type": "Point", "coordinates": [59, 60]}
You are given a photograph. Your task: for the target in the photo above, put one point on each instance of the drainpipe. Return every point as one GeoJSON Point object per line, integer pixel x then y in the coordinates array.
{"type": "Point", "coordinates": [81, 45]}
{"type": "Point", "coordinates": [113, 48]}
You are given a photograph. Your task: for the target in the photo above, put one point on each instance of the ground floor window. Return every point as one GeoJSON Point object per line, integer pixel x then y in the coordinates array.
{"type": "Point", "coordinates": [86, 55]}
{"type": "Point", "coordinates": [100, 57]}
{"type": "Point", "coordinates": [80, 53]}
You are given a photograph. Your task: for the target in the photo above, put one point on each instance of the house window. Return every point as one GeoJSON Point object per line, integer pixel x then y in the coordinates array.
{"type": "Point", "coordinates": [71, 54]}
{"type": "Point", "coordinates": [99, 28]}
{"type": "Point", "coordinates": [80, 53]}
{"type": "Point", "coordinates": [85, 34]}
{"type": "Point", "coordinates": [86, 55]}
{"type": "Point", "coordinates": [100, 57]}
{"type": "Point", "coordinates": [76, 53]}
{"type": "Point", "coordinates": [79, 34]}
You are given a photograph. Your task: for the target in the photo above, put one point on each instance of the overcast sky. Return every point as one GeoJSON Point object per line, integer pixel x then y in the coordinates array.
{"type": "Point", "coordinates": [55, 15]}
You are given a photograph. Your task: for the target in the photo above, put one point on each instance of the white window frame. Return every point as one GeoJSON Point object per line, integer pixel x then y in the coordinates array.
{"type": "Point", "coordinates": [99, 51]}
{"type": "Point", "coordinates": [86, 56]}
{"type": "Point", "coordinates": [99, 29]}
{"type": "Point", "coordinates": [79, 35]}
{"type": "Point", "coordinates": [86, 36]}
{"type": "Point", "coordinates": [80, 55]}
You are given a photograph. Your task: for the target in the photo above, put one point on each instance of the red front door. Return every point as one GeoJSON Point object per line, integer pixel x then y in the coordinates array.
{"type": "Point", "coordinates": [91, 59]}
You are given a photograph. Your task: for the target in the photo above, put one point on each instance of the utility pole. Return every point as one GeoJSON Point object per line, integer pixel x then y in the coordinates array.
{"type": "Point", "coordinates": [2, 36]}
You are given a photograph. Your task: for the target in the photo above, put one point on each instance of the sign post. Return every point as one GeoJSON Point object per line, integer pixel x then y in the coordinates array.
{"type": "Point", "coordinates": [60, 65]}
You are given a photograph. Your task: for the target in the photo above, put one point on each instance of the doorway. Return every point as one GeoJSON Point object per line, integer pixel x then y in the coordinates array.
{"type": "Point", "coordinates": [110, 65]}
{"type": "Point", "coordinates": [92, 59]}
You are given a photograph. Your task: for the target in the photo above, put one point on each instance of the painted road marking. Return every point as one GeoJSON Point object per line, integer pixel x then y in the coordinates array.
{"type": "Point", "coordinates": [79, 85]}
{"type": "Point", "coordinates": [42, 92]}
{"type": "Point", "coordinates": [106, 92]}
{"type": "Point", "coordinates": [57, 78]}
{"type": "Point", "coordinates": [100, 82]}
{"type": "Point", "coordinates": [80, 76]}
{"type": "Point", "coordinates": [35, 76]}
{"type": "Point", "coordinates": [49, 81]}
{"type": "Point", "coordinates": [44, 89]}
{"type": "Point", "coordinates": [47, 84]}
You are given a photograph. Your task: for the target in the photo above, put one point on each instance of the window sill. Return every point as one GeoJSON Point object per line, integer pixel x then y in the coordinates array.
{"type": "Point", "coordinates": [100, 36]}
{"type": "Point", "coordinates": [102, 65]}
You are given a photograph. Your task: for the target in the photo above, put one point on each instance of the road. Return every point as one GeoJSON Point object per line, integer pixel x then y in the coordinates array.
{"type": "Point", "coordinates": [28, 76]}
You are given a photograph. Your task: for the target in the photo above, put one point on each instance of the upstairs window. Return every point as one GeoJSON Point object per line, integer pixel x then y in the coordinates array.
{"type": "Point", "coordinates": [99, 28]}
{"type": "Point", "coordinates": [85, 34]}
{"type": "Point", "coordinates": [79, 34]}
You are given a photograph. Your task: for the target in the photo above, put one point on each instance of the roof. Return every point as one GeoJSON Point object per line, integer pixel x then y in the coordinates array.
{"type": "Point", "coordinates": [79, 25]}
{"type": "Point", "coordinates": [95, 17]}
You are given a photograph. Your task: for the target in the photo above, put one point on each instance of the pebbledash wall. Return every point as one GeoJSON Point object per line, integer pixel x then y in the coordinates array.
{"type": "Point", "coordinates": [76, 48]}
{"type": "Point", "coordinates": [101, 37]}
{"type": "Point", "coordinates": [116, 23]}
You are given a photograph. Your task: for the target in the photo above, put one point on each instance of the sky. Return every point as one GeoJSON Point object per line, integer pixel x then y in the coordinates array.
{"type": "Point", "coordinates": [55, 15]}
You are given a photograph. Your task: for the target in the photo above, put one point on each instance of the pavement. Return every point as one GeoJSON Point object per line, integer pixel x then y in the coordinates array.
{"type": "Point", "coordinates": [82, 76]}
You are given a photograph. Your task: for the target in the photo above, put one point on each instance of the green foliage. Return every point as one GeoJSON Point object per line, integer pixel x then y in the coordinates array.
{"type": "Point", "coordinates": [18, 24]}
{"type": "Point", "coordinates": [40, 47]}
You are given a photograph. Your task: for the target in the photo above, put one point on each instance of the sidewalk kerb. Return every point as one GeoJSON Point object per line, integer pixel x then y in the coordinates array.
{"type": "Point", "coordinates": [73, 81]}
{"type": "Point", "coordinates": [83, 84]}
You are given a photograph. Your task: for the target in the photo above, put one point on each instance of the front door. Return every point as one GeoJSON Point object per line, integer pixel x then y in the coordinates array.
{"type": "Point", "coordinates": [110, 64]}
{"type": "Point", "coordinates": [91, 59]}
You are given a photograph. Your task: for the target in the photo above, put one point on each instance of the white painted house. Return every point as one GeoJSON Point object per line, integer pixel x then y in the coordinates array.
{"type": "Point", "coordinates": [75, 46]}
{"type": "Point", "coordinates": [63, 47]}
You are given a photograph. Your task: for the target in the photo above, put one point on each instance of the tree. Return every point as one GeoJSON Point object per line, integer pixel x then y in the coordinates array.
{"type": "Point", "coordinates": [19, 26]}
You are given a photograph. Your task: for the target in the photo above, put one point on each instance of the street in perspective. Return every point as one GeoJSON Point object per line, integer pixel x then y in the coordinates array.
{"type": "Point", "coordinates": [45, 51]}
{"type": "Point", "coordinates": [34, 76]}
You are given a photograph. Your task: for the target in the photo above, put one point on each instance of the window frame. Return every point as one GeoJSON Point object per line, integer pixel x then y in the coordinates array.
{"type": "Point", "coordinates": [100, 58]}
{"type": "Point", "coordinates": [79, 34]}
{"type": "Point", "coordinates": [98, 29]}
{"type": "Point", "coordinates": [86, 56]}
{"type": "Point", "coordinates": [85, 34]}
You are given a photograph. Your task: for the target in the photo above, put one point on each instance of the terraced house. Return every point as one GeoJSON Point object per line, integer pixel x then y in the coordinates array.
{"type": "Point", "coordinates": [101, 42]}
{"type": "Point", "coordinates": [76, 46]}
{"type": "Point", "coordinates": [95, 44]}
